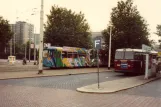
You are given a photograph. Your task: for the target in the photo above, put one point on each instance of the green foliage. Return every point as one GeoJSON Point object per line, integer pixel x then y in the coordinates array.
{"type": "Point", "coordinates": [129, 29]}
{"type": "Point", "coordinates": [158, 30]}
{"type": "Point", "coordinates": [5, 34]}
{"type": "Point", "coordinates": [159, 33]}
{"type": "Point", "coordinates": [66, 28]}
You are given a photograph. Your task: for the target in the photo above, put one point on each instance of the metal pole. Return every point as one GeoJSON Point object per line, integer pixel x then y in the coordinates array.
{"type": "Point", "coordinates": [98, 68]}
{"type": "Point", "coordinates": [34, 49]}
{"type": "Point", "coordinates": [109, 55]}
{"type": "Point", "coordinates": [146, 66]}
{"type": "Point", "coordinates": [25, 49]}
{"type": "Point", "coordinates": [29, 43]}
{"type": "Point", "coordinates": [11, 47]}
{"type": "Point", "coordinates": [34, 44]}
{"type": "Point", "coordinates": [14, 43]}
{"type": "Point", "coordinates": [40, 71]}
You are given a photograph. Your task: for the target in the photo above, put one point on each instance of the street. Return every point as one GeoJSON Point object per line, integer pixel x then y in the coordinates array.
{"type": "Point", "coordinates": [80, 53]}
{"type": "Point", "coordinates": [60, 91]}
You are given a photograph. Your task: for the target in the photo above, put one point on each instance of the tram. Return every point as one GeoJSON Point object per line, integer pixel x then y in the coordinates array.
{"type": "Point", "coordinates": [60, 57]}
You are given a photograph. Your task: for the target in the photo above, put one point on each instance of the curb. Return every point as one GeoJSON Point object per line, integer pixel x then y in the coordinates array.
{"type": "Point", "coordinates": [41, 75]}
{"type": "Point", "coordinates": [118, 90]}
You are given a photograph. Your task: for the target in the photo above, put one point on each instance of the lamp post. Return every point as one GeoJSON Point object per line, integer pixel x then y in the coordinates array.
{"type": "Point", "coordinates": [14, 43]}
{"type": "Point", "coordinates": [11, 47]}
{"type": "Point", "coordinates": [26, 39]}
{"type": "Point", "coordinates": [35, 48]}
{"type": "Point", "coordinates": [15, 38]}
{"type": "Point", "coordinates": [40, 70]}
{"type": "Point", "coordinates": [34, 43]}
{"type": "Point", "coordinates": [25, 49]}
{"type": "Point", "coordinates": [109, 55]}
{"type": "Point", "coordinates": [30, 41]}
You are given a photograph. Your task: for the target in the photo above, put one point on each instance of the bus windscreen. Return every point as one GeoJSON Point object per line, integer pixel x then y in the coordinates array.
{"type": "Point", "coordinates": [129, 55]}
{"type": "Point", "coordinates": [119, 55]}
{"type": "Point", "coordinates": [124, 55]}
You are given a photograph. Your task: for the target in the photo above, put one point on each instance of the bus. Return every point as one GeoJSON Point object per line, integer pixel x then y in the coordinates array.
{"type": "Point", "coordinates": [60, 57]}
{"type": "Point", "coordinates": [132, 60]}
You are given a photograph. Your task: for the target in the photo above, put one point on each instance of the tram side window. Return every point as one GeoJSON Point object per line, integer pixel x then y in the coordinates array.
{"type": "Point", "coordinates": [72, 55]}
{"type": "Point", "coordinates": [45, 53]}
{"type": "Point", "coordinates": [82, 55]}
{"type": "Point", "coordinates": [64, 54]}
{"type": "Point", "coordinates": [75, 55]}
{"type": "Point", "coordinates": [69, 55]}
{"type": "Point", "coordinates": [51, 53]}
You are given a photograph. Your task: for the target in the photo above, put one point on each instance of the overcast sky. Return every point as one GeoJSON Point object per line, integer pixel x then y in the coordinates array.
{"type": "Point", "coordinates": [97, 12]}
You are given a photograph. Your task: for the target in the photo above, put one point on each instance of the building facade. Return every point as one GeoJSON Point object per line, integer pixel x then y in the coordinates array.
{"type": "Point", "coordinates": [22, 32]}
{"type": "Point", "coordinates": [37, 38]}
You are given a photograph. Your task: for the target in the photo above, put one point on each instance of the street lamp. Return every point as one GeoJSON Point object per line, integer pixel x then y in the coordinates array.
{"type": "Point", "coordinates": [34, 40]}
{"type": "Point", "coordinates": [40, 70]}
{"type": "Point", "coordinates": [14, 42]}
{"type": "Point", "coordinates": [11, 47]}
{"type": "Point", "coordinates": [35, 48]}
{"type": "Point", "coordinates": [109, 55]}
{"type": "Point", "coordinates": [29, 37]}
{"type": "Point", "coordinates": [15, 38]}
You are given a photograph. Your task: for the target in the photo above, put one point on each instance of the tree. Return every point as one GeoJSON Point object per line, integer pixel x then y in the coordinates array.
{"type": "Point", "coordinates": [5, 34]}
{"type": "Point", "coordinates": [66, 28]}
{"type": "Point", "coordinates": [159, 33]}
{"type": "Point", "coordinates": [158, 30]}
{"type": "Point", "coordinates": [129, 29]}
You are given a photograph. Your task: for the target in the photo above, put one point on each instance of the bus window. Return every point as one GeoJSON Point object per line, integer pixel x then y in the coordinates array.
{"type": "Point", "coordinates": [138, 56]}
{"type": "Point", "coordinates": [119, 55]}
{"type": "Point", "coordinates": [129, 55]}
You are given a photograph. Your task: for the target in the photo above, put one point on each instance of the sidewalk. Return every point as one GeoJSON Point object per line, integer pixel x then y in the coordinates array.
{"type": "Point", "coordinates": [116, 85]}
{"type": "Point", "coordinates": [47, 73]}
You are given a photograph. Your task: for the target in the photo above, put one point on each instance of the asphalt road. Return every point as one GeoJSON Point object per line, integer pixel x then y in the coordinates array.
{"type": "Point", "coordinates": [70, 82]}
{"type": "Point", "coordinates": [60, 91]}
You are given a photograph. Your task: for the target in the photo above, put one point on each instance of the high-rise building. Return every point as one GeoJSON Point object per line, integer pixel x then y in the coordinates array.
{"type": "Point", "coordinates": [22, 31]}
{"type": "Point", "coordinates": [37, 38]}
{"type": "Point", "coordinates": [13, 29]}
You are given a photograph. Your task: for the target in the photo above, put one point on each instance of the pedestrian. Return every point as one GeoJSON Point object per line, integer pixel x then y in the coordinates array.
{"type": "Point", "coordinates": [158, 71]}
{"type": "Point", "coordinates": [24, 61]}
{"type": "Point", "coordinates": [37, 60]}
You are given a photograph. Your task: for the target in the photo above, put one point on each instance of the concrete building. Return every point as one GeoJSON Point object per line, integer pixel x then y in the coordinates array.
{"type": "Point", "coordinates": [23, 31]}
{"type": "Point", "coordinates": [37, 37]}
{"type": "Point", "coordinates": [13, 29]}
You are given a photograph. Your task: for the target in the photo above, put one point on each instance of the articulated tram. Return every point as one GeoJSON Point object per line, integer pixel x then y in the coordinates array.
{"type": "Point", "coordinates": [59, 57]}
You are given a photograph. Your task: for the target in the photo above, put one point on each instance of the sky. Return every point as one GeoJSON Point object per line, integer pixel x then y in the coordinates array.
{"type": "Point", "coordinates": [97, 12]}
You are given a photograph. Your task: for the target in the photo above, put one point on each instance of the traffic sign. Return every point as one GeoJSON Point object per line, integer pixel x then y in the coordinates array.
{"type": "Point", "coordinates": [97, 43]}
{"type": "Point", "coordinates": [145, 47]}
